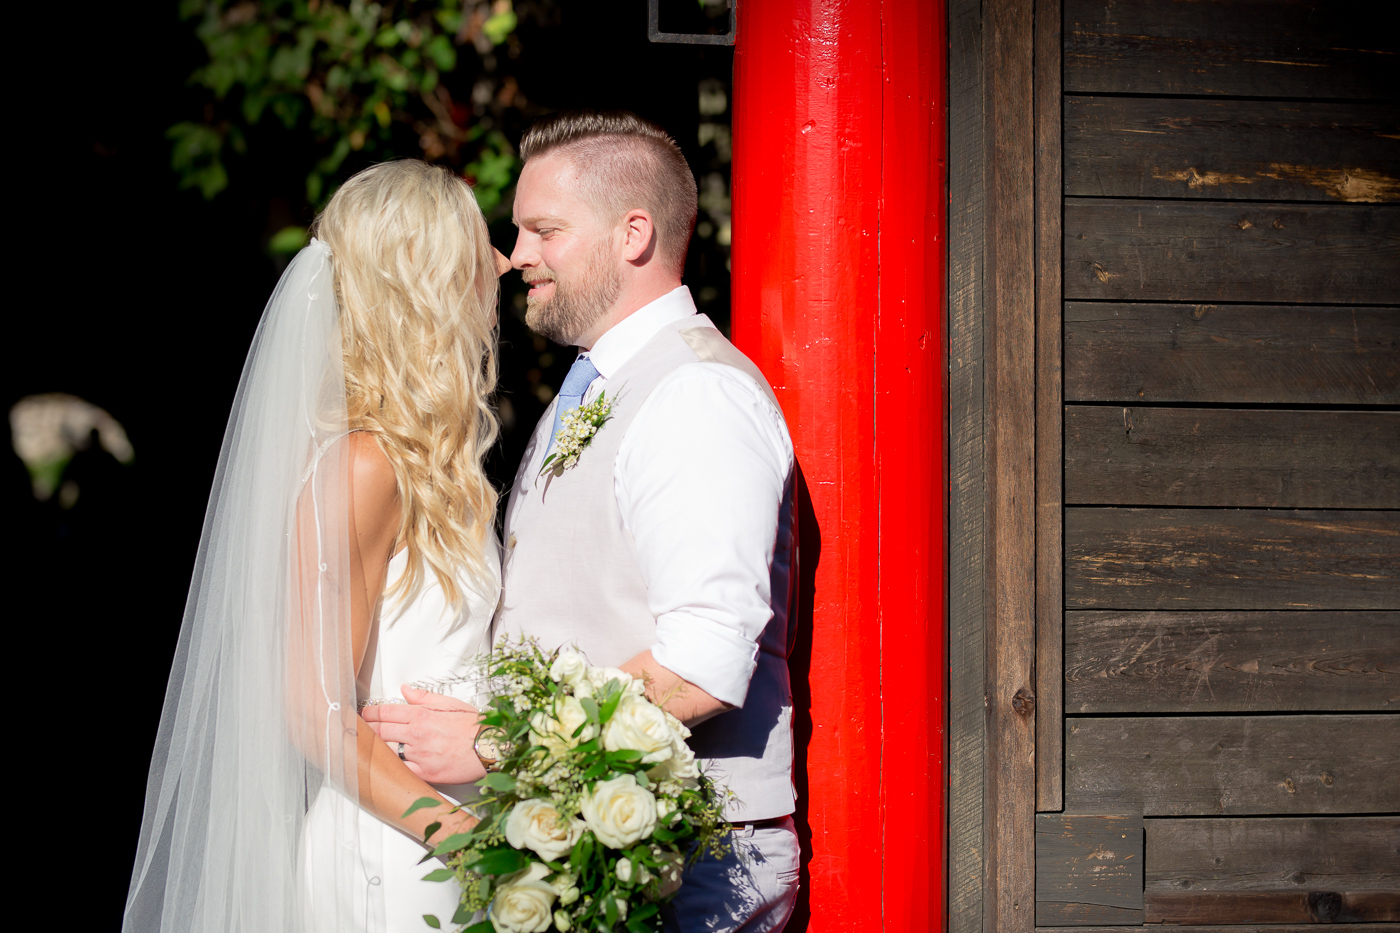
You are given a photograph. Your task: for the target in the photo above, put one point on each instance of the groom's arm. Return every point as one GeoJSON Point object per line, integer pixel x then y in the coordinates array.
{"type": "Point", "coordinates": [674, 693]}
{"type": "Point", "coordinates": [701, 479]}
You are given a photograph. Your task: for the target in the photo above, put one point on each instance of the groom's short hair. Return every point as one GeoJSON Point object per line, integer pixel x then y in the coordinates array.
{"type": "Point", "coordinates": [624, 162]}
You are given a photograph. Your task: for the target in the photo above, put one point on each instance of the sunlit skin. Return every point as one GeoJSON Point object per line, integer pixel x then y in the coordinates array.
{"type": "Point", "coordinates": [558, 232]}
{"type": "Point", "coordinates": [387, 785]}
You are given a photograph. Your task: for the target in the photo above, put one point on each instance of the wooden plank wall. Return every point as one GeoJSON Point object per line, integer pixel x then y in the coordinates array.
{"type": "Point", "coordinates": [1231, 451]}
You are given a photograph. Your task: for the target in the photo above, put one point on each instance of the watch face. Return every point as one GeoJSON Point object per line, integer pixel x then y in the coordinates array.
{"type": "Point", "coordinates": [490, 745]}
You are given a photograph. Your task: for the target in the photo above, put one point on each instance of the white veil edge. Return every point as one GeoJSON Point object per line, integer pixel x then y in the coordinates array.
{"type": "Point", "coordinates": [260, 709]}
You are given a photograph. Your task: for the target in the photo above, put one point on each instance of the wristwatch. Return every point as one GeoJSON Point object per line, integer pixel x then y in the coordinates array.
{"type": "Point", "coordinates": [490, 747]}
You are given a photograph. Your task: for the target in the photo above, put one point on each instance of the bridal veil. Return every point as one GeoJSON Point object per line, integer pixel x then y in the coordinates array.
{"type": "Point", "coordinates": [260, 708]}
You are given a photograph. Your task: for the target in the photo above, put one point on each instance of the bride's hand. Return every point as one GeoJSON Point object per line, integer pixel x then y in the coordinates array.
{"type": "Point", "coordinates": [437, 733]}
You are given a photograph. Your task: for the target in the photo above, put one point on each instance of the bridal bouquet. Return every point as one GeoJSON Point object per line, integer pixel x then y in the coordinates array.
{"type": "Point", "coordinates": [593, 808]}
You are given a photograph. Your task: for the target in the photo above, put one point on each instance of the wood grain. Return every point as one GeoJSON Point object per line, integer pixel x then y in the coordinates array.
{"type": "Point", "coordinates": [1190, 856]}
{"type": "Point", "coordinates": [1121, 558]}
{"type": "Point", "coordinates": [1088, 869]}
{"type": "Point", "coordinates": [1205, 251]}
{"type": "Point", "coordinates": [1249, 149]}
{"type": "Point", "coordinates": [1010, 422]}
{"type": "Point", "coordinates": [1049, 497]}
{"type": "Point", "coordinates": [1256, 48]}
{"type": "Point", "coordinates": [1281, 355]}
{"type": "Point", "coordinates": [967, 480]}
{"type": "Point", "coordinates": [1231, 457]}
{"type": "Point", "coordinates": [1234, 765]}
{"type": "Point", "coordinates": [1274, 907]}
{"type": "Point", "coordinates": [1214, 662]}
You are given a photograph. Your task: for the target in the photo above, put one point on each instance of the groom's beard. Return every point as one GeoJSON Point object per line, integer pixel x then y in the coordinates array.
{"type": "Point", "coordinates": [577, 305]}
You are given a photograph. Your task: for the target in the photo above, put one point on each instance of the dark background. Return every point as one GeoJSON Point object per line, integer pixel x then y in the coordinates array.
{"type": "Point", "coordinates": [142, 299]}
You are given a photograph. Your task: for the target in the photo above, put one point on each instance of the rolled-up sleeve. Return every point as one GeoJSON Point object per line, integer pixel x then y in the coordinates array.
{"type": "Point", "coordinates": [700, 479]}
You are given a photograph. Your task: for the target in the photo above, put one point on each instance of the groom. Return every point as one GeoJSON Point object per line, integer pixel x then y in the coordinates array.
{"type": "Point", "coordinates": [666, 550]}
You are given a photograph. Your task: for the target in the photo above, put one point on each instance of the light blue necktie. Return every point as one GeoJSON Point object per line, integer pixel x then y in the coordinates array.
{"type": "Point", "coordinates": [580, 377]}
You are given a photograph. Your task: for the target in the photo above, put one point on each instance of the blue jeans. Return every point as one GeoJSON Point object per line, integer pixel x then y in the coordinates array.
{"type": "Point", "coordinates": [752, 890]}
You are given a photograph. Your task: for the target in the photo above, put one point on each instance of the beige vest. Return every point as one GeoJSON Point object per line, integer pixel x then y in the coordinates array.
{"type": "Point", "coordinates": [571, 577]}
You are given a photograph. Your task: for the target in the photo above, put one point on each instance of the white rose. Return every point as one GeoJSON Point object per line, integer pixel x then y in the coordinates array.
{"type": "Point", "coordinates": [639, 726]}
{"type": "Point", "coordinates": [568, 668]}
{"type": "Point", "coordinates": [524, 904]}
{"type": "Point", "coordinates": [619, 811]}
{"type": "Point", "coordinates": [681, 766]}
{"type": "Point", "coordinates": [535, 825]}
{"type": "Point", "coordinates": [564, 880]}
{"type": "Point", "coordinates": [624, 870]}
{"type": "Point", "coordinates": [561, 921]}
{"type": "Point", "coordinates": [678, 727]}
{"type": "Point", "coordinates": [557, 732]}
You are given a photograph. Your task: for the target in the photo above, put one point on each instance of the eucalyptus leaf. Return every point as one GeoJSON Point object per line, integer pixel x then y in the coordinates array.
{"type": "Point", "coordinates": [419, 804]}
{"type": "Point", "coordinates": [432, 921]}
{"type": "Point", "coordinates": [499, 781]}
{"type": "Point", "coordinates": [439, 874]}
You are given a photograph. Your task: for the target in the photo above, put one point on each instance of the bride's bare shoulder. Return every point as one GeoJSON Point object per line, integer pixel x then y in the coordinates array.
{"type": "Point", "coordinates": [374, 491]}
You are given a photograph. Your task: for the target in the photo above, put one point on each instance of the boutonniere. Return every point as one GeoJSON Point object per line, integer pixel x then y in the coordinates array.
{"type": "Point", "coordinates": [576, 430]}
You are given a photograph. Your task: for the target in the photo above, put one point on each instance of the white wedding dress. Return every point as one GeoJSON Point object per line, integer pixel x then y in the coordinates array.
{"type": "Point", "coordinates": [423, 644]}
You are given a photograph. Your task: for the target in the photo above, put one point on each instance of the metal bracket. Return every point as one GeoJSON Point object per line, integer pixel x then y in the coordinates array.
{"type": "Point", "coordinates": [655, 34]}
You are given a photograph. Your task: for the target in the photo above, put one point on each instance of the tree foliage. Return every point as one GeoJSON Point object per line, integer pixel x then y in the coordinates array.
{"type": "Point", "coordinates": [353, 77]}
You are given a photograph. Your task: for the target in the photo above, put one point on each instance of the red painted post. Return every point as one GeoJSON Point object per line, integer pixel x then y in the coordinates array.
{"type": "Point", "coordinates": [838, 284]}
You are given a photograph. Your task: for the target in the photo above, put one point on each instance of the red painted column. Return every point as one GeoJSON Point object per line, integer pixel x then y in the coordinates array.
{"type": "Point", "coordinates": [838, 284]}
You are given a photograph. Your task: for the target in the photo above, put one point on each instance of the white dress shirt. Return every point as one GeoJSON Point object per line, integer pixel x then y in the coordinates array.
{"type": "Point", "coordinates": [699, 481]}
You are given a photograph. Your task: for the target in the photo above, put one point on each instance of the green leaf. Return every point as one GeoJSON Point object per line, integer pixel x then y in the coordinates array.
{"type": "Point", "coordinates": [597, 771]}
{"type": "Point", "coordinates": [452, 843]}
{"type": "Point", "coordinates": [439, 874]}
{"type": "Point", "coordinates": [610, 910]}
{"type": "Point", "coordinates": [499, 781]}
{"type": "Point", "coordinates": [590, 705]}
{"type": "Point", "coordinates": [499, 27]}
{"type": "Point", "coordinates": [610, 704]}
{"type": "Point", "coordinates": [625, 754]}
{"type": "Point", "coordinates": [421, 802]}
{"type": "Point", "coordinates": [583, 849]}
{"type": "Point", "coordinates": [482, 927]}
{"type": "Point", "coordinates": [432, 921]}
{"type": "Point", "coordinates": [500, 861]}
{"type": "Point", "coordinates": [432, 828]}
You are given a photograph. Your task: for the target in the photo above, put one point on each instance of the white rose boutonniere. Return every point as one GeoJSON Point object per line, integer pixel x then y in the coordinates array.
{"type": "Point", "coordinates": [576, 430]}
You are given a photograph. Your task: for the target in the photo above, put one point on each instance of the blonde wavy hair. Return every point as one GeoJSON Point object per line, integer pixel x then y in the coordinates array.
{"type": "Point", "coordinates": [415, 277]}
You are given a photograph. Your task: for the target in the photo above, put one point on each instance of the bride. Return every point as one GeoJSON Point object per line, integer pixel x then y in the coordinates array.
{"type": "Point", "coordinates": [347, 549]}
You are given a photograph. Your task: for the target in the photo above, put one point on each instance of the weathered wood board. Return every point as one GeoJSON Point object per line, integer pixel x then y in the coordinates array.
{"type": "Point", "coordinates": [1205, 251]}
{"type": "Point", "coordinates": [1215, 662]}
{"type": "Point", "coordinates": [1250, 48]}
{"type": "Point", "coordinates": [1225, 457]}
{"type": "Point", "coordinates": [1269, 854]}
{"type": "Point", "coordinates": [1234, 354]}
{"type": "Point", "coordinates": [1274, 907]}
{"type": "Point", "coordinates": [1233, 765]}
{"type": "Point", "coordinates": [1138, 147]}
{"type": "Point", "coordinates": [1088, 869]}
{"type": "Point", "coordinates": [1214, 559]}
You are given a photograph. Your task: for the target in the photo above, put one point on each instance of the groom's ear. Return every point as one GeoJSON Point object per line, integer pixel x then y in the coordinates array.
{"type": "Point", "coordinates": [638, 236]}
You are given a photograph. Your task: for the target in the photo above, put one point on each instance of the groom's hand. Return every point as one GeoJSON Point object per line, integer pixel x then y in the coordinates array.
{"type": "Point", "coordinates": [437, 733]}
